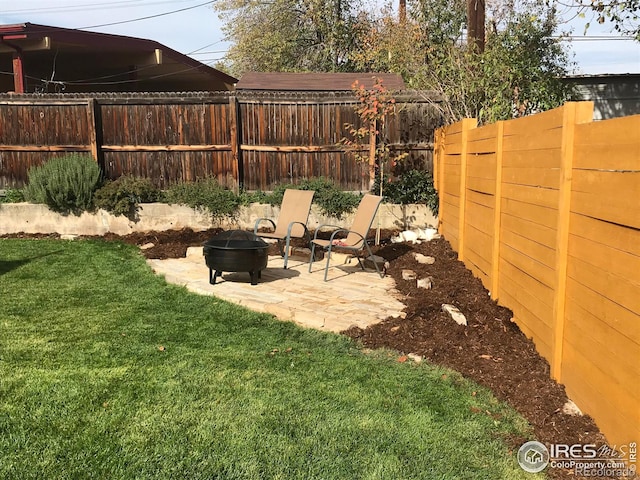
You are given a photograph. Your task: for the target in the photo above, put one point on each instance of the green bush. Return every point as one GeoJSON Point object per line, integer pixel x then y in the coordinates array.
{"type": "Point", "coordinates": [124, 195]}
{"type": "Point", "coordinates": [65, 184]}
{"type": "Point", "coordinates": [12, 195]}
{"type": "Point", "coordinates": [205, 194]}
{"type": "Point", "coordinates": [414, 186]}
{"type": "Point", "coordinates": [247, 198]}
{"type": "Point", "coordinates": [331, 200]}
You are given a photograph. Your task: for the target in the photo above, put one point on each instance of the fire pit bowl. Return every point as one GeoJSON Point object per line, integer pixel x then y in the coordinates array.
{"type": "Point", "coordinates": [235, 251]}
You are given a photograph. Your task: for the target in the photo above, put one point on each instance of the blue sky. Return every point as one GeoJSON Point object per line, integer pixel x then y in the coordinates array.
{"type": "Point", "coordinates": [196, 30]}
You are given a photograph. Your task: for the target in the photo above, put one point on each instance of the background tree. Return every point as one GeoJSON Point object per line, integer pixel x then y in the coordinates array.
{"type": "Point", "coordinates": [518, 73]}
{"type": "Point", "coordinates": [290, 35]}
{"type": "Point", "coordinates": [389, 44]}
{"type": "Point", "coordinates": [623, 14]}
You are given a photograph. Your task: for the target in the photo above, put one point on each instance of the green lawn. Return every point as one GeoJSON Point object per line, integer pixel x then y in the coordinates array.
{"type": "Point", "coordinates": [106, 371]}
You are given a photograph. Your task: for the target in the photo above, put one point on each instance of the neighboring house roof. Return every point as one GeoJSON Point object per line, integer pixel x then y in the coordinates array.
{"type": "Point", "coordinates": [54, 59]}
{"type": "Point", "coordinates": [324, 82]}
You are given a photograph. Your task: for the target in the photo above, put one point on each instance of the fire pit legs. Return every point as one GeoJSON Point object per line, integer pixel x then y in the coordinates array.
{"type": "Point", "coordinates": [213, 276]}
{"type": "Point", "coordinates": [255, 275]}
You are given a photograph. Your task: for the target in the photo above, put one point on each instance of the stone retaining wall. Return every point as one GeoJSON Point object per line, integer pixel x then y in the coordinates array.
{"type": "Point", "coordinates": [31, 218]}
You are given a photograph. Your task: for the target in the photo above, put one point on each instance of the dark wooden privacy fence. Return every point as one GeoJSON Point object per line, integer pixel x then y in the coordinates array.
{"type": "Point", "coordinates": [253, 140]}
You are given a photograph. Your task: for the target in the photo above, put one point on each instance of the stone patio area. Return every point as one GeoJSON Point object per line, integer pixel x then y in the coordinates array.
{"type": "Point", "coordinates": [349, 297]}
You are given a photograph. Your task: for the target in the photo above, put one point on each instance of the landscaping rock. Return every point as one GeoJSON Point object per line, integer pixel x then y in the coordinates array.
{"type": "Point", "coordinates": [425, 283]}
{"type": "Point", "coordinates": [147, 246]}
{"type": "Point", "coordinates": [571, 408]}
{"type": "Point", "coordinates": [416, 236]}
{"type": "Point", "coordinates": [424, 259]}
{"type": "Point", "coordinates": [455, 314]}
{"type": "Point", "coordinates": [409, 275]}
{"type": "Point", "coordinates": [415, 358]}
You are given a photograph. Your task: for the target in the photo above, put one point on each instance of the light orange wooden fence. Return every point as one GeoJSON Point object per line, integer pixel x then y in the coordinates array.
{"type": "Point", "coordinates": [545, 210]}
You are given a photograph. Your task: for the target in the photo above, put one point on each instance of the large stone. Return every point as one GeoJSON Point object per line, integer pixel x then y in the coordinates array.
{"type": "Point", "coordinates": [455, 314]}
{"type": "Point", "coordinates": [571, 408]}
{"type": "Point", "coordinates": [409, 275]}
{"type": "Point", "coordinates": [415, 357]}
{"type": "Point", "coordinates": [194, 252]}
{"type": "Point", "coordinates": [424, 259]}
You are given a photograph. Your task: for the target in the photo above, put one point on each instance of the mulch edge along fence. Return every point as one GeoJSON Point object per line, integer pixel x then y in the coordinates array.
{"type": "Point", "coordinates": [544, 210]}
{"type": "Point", "coordinates": [252, 140]}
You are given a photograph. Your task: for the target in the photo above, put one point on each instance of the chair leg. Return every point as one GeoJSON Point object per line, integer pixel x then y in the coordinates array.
{"type": "Point", "coordinates": [375, 264]}
{"type": "Point", "coordinates": [312, 257]}
{"type": "Point", "coordinates": [286, 252]}
{"type": "Point", "coordinates": [326, 268]}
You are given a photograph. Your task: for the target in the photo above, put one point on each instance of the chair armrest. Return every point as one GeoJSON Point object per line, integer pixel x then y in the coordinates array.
{"type": "Point", "coordinates": [304, 225]}
{"type": "Point", "coordinates": [315, 235]}
{"type": "Point", "coordinates": [332, 238]}
{"type": "Point", "coordinates": [257, 224]}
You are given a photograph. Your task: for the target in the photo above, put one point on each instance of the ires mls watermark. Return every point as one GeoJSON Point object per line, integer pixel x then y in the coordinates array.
{"type": "Point", "coordinates": [585, 460]}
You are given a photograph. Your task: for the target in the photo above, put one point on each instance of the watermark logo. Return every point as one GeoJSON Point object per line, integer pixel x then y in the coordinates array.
{"type": "Point", "coordinates": [585, 460]}
{"type": "Point", "coordinates": [533, 457]}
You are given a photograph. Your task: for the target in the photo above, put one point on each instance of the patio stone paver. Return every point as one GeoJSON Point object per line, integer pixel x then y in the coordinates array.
{"type": "Point", "coordinates": [350, 297]}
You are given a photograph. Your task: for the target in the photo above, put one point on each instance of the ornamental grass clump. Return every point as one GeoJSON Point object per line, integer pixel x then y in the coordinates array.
{"type": "Point", "coordinates": [65, 184]}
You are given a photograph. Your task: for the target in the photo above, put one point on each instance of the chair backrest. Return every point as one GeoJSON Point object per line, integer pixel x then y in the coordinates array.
{"type": "Point", "coordinates": [296, 205]}
{"type": "Point", "coordinates": [363, 219]}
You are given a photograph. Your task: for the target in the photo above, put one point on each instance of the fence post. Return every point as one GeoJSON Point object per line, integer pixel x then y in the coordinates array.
{"type": "Point", "coordinates": [94, 119]}
{"type": "Point", "coordinates": [234, 138]}
{"type": "Point", "coordinates": [466, 124]}
{"type": "Point", "coordinates": [573, 113]}
{"type": "Point", "coordinates": [438, 171]}
{"type": "Point", "coordinates": [495, 251]}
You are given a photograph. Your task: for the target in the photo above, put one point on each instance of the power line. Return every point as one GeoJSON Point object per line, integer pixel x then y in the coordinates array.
{"type": "Point", "coordinates": [208, 52]}
{"type": "Point", "coordinates": [206, 46]}
{"type": "Point", "coordinates": [148, 16]}
{"type": "Point", "coordinates": [91, 6]}
{"type": "Point", "coordinates": [593, 38]}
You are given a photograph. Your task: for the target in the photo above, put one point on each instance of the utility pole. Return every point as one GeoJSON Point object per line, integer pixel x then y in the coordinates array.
{"type": "Point", "coordinates": [475, 24]}
{"type": "Point", "coordinates": [402, 11]}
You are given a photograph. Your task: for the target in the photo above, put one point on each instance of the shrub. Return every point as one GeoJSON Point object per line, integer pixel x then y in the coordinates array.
{"type": "Point", "coordinates": [247, 198]}
{"type": "Point", "coordinates": [205, 194]}
{"type": "Point", "coordinates": [124, 195]}
{"type": "Point", "coordinates": [414, 186]}
{"type": "Point", "coordinates": [65, 184]}
{"type": "Point", "coordinates": [12, 195]}
{"type": "Point", "coordinates": [331, 200]}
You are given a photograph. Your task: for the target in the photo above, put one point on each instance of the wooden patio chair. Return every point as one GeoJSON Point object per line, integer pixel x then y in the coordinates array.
{"type": "Point", "coordinates": [356, 236]}
{"type": "Point", "coordinates": [292, 220]}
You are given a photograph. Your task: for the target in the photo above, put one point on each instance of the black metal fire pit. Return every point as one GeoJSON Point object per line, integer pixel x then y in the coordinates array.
{"type": "Point", "coordinates": [235, 251]}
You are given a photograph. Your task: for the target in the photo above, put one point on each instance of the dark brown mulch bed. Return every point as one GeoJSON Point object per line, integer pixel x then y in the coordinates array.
{"type": "Point", "coordinates": [491, 350]}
